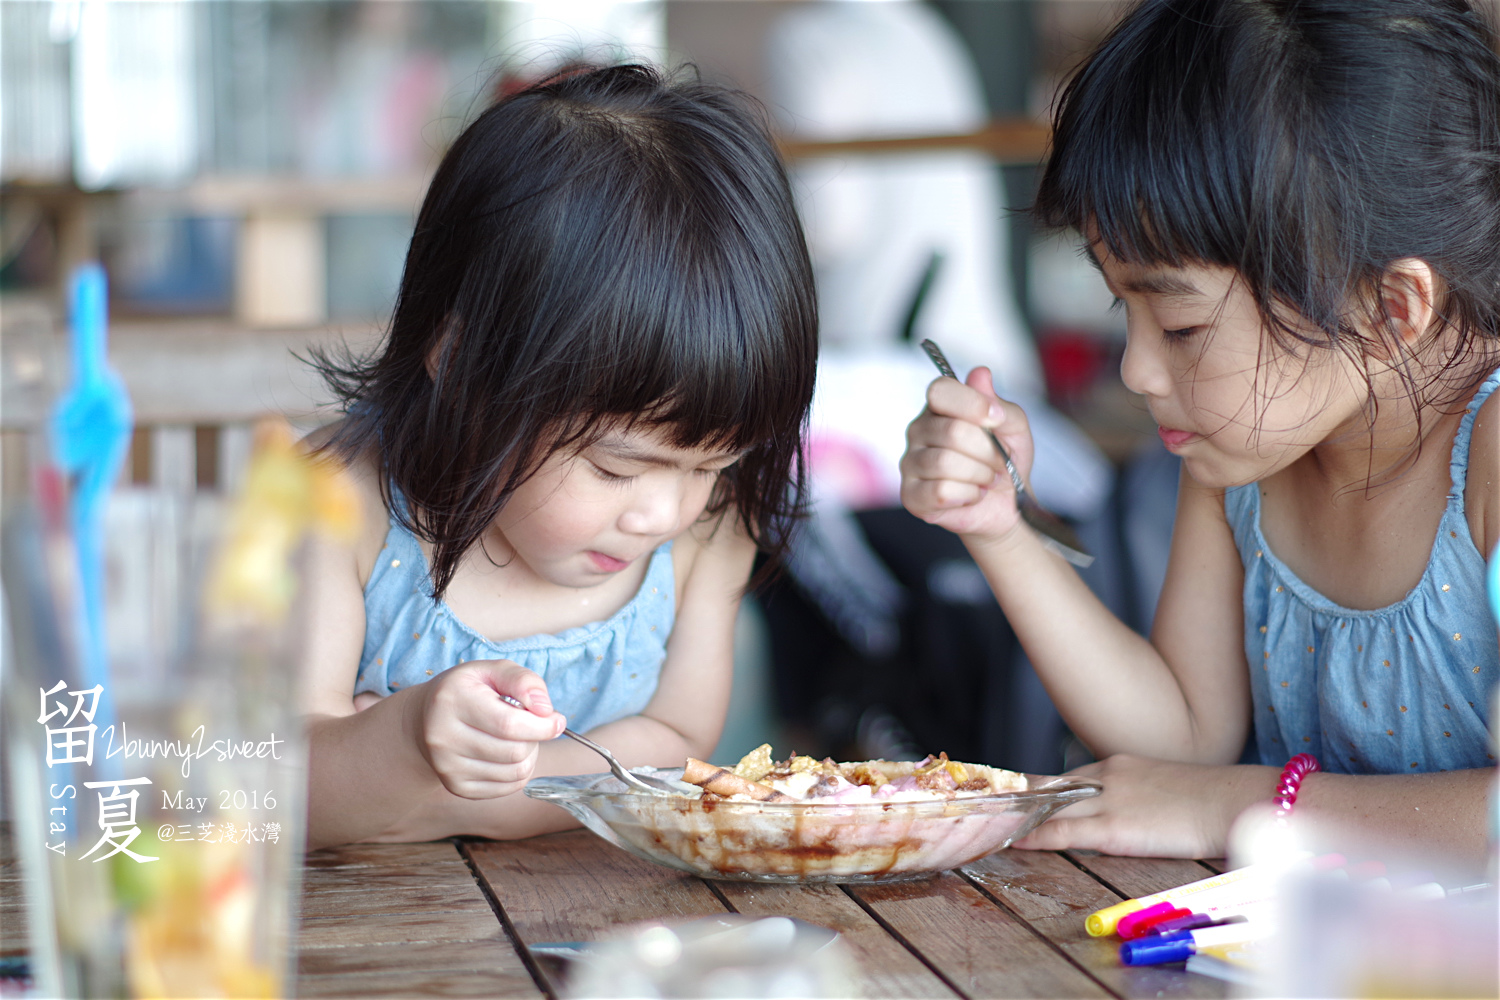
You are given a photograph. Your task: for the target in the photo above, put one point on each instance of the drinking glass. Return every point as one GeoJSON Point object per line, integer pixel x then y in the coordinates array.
{"type": "Point", "coordinates": [158, 810]}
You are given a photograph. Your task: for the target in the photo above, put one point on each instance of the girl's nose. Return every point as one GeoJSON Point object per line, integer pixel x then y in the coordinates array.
{"type": "Point", "coordinates": [1143, 368]}
{"type": "Point", "coordinates": [654, 510]}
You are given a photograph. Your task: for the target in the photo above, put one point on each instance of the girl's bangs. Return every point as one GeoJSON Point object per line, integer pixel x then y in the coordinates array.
{"type": "Point", "coordinates": [1161, 171]}
{"type": "Point", "coordinates": [716, 373]}
{"type": "Point", "coordinates": [692, 324]}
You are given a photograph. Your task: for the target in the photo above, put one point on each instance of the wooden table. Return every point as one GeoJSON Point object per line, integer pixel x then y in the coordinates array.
{"type": "Point", "coordinates": [457, 919]}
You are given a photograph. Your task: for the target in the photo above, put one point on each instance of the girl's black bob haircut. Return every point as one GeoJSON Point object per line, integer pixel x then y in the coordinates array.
{"type": "Point", "coordinates": [611, 247]}
{"type": "Point", "coordinates": [1307, 144]}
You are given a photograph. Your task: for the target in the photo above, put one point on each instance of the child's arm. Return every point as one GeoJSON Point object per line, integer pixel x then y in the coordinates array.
{"type": "Point", "coordinates": [1184, 695]}
{"type": "Point", "coordinates": [1156, 808]}
{"type": "Point", "coordinates": [1159, 806]}
{"type": "Point", "coordinates": [683, 718]}
{"type": "Point", "coordinates": [368, 770]}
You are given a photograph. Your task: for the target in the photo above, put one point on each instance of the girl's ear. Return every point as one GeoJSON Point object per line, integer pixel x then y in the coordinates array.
{"type": "Point", "coordinates": [1408, 291]}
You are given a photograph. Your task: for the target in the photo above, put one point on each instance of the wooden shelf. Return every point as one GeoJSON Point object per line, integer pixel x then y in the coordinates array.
{"type": "Point", "coordinates": [179, 371]}
{"type": "Point", "coordinates": [1009, 140]}
{"type": "Point", "coordinates": [251, 195]}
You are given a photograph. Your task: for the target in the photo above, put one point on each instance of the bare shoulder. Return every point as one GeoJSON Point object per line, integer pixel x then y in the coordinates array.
{"type": "Point", "coordinates": [1482, 488]}
{"type": "Point", "coordinates": [363, 477]}
{"type": "Point", "coordinates": [717, 549]}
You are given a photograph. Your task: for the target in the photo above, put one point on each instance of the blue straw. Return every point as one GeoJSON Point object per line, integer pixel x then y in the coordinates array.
{"type": "Point", "coordinates": [90, 439]}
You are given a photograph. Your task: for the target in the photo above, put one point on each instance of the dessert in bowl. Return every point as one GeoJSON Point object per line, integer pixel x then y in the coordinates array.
{"type": "Point", "coordinates": [868, 821]}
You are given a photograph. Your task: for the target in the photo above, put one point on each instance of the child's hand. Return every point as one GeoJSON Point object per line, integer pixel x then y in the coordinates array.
{"type": "Point", "coordinates": [480, 747]}
{"type": "Point", "coordinates": [951, 474]}
{"type": "Point", "coordinates": [1155, 808]}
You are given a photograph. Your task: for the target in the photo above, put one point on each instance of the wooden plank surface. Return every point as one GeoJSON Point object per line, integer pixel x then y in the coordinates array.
{"type": "Point", "coordinates": [568, 887]}
{"type": "Point", "coordinates": [574, 887]}
{"type": "Point", "coordinates": [884, 967]}
{"type": "Point", "coordinates": [415, 919]}
{"type": "Point", "coordinates": [1133, 877]}
{"type": "Point", "coordinates": [978, 947]}
{"type": "Point", "coordinates": [386, 920]}
{"type": "Point", "coordinates": [1053, 896]}
{"type": "Point", "coordinates": [13, 926]}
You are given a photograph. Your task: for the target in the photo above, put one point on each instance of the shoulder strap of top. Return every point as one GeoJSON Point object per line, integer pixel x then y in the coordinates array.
{"type": "Point", "coordinates": [1241, 505]}
{"type": "Point", "coordinates": [1458, 465]}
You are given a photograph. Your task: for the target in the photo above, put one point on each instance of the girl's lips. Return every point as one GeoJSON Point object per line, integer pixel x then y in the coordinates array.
{"type": "Point", "coordinates": [607, 564]}
{"type": "Point", "coordinates": [1174, 438]}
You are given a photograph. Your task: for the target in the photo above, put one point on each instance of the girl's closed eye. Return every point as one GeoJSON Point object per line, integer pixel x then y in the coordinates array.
{"type": "Point", "coordinates": [613, 478]}
{"type": "Point", "coordinates": [1178, 333]}
{"type": "Point", "coordinates": [714, 471]}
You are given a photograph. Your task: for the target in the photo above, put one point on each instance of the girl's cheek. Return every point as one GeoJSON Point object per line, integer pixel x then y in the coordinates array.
{"type": "Point", "coordinates": [697, 498]}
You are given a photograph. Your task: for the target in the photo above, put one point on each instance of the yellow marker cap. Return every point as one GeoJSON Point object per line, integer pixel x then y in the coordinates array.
{"type": "Point", "coordinates": [1102, 922]}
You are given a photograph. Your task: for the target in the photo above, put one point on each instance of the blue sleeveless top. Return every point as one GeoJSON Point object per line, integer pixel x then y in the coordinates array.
{"type": "Point", "coordinates": [1398, 690]}
{"type": "Point", "coordinates": [595, 673]}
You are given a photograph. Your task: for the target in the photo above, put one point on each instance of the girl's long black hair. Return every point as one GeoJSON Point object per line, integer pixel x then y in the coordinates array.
{"type": "Point", "coordinates": [1308, 145]}
{"type": "Point", "coordinates": [611, 246]}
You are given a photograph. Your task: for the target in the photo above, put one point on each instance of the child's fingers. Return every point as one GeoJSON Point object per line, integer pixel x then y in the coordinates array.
{"type": "Point", "coordinates": [969, 406]}
{"type": "Point", "coordinates": [537, 723]}
{"type": "Point", "coordinates": [1060, 835]}
{"type": "Point", "coordinates": [951, 398]}
{"type": "Point", "coordinates": [521, 684]}
{"type": "Point", "coordinates": [929, 498]}
{"type": "Point", "coordinates": [981, 381]}
{"type": "Point", "coordinates": [477, 778]}
{"type": "Point", "coordinates": [959, 452]}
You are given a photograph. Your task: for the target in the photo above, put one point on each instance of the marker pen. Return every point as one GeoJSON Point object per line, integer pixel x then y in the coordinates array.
{"type": "Point", "coordinates": [1195, 915]}
{"type": "Point", "coordinates": [1250, 882]}
{"type": "Point", "coordinates": [1158, 949]}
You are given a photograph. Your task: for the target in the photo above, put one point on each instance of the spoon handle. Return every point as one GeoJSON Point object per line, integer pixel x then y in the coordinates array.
{"type": "Point", "coordinates": [619, 770]}
{"type": "Point", "coordinates": [515, 703]}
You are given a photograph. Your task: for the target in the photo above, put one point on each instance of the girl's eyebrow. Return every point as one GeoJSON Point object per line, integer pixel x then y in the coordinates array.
{"type": "Point", "coordinates": [1150, 283]}
{"type": "Point", "coordinates": [632, 453]}
{"type": "Point", "coordinates": [1161, 283]}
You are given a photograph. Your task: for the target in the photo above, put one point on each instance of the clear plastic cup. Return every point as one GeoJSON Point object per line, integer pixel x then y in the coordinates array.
{"type": "Point", "coordinates": [158, 809]}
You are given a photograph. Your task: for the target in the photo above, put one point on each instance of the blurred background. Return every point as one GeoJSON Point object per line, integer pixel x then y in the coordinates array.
{"type": "Point", "coordinates": [249, 172]}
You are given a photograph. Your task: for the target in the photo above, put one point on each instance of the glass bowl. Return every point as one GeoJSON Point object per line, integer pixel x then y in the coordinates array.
{"type": "Point", "coordinates": [806, 841]}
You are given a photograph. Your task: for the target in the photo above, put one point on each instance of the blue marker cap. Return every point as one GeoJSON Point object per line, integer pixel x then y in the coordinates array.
{"type": "Point", "coordinates": [1158, 949]}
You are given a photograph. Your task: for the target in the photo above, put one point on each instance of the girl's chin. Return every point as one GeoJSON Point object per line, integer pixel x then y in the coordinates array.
{"type": "Point", "coordinates": [1214, 472]}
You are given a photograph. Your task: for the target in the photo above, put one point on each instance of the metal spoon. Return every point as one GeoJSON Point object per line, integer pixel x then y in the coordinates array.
{"type": "Point", "coordinates": [1054, 533]}
{"type": "Point", "coordinates": [640, 782]}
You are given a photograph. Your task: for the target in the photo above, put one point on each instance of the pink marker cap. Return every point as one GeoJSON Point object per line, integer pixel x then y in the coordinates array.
{"type": "Point", "coordinates": [1134, 925]}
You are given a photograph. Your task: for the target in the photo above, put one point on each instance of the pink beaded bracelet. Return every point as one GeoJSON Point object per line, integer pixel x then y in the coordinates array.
{"type": "Point", "coordinates": [1298, 768]}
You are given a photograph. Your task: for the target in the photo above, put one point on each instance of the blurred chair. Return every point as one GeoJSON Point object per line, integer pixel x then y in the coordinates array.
{"type": "Point", "coordinates": [197, 386]}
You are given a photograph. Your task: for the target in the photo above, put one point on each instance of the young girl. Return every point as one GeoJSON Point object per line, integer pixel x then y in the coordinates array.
{"type": "Point", "coordinates": [585, 418]}
{"type": "Point", "coordinates": [1298, 205]}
